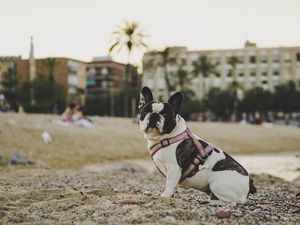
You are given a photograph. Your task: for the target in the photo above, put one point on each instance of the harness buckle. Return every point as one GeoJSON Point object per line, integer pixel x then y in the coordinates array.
{"type": "Point", "coordinates": [165, 142]}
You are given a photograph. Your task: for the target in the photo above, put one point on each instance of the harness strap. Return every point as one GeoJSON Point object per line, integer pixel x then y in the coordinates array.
{"type": "Point", "coordinates": [168, 141]}
{"type": "Point", "coordinates": [202, 153]}
{"type": "Point", "coordinates": [194, 166]}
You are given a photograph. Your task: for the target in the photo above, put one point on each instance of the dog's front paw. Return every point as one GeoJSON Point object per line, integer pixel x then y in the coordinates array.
{"type": "Point", "coordinates": [167, 194]}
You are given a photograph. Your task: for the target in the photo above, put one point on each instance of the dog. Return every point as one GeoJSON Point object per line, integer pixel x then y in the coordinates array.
{"type": "Point", "coordinates": [182, 157]}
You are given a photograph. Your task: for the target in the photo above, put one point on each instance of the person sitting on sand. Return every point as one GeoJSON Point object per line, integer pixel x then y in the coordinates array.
{"type": "Point", "coordinates": [80, 118]}
{"type": "Point", "coordinates": [67, 116]}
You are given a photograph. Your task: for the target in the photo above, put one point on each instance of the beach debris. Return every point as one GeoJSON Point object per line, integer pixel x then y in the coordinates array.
{"type": "Point", "coordinates": [83, 197]}
{"type": "Point", "coordinates": [147, 193]}
{"type": "Point", "coordinates": [18, 158]}
{"type": "Point", "coordinates": [129, 202]}
{"type": "Point", "coordinates": [223, 214]}
{"type": "Point", "coordinates": [46, 137]}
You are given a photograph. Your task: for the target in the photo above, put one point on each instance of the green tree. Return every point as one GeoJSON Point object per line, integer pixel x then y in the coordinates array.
{"type": "Point", "coordinates": [191, 105]}
{"type": "Point", "coordinates": [129, 37]}
{"type": "Point", "coordinates": [44, 100]}
{"type": "Point", "coordinates": [203, 67]}
{"type": "Point", "coordinates": [257, 99]}
{"type": "Point", "coordinates": [233, 61]}
{"type": "Point", "coordinates": [9, 83]}
{"type": "Point", "coordinates": [166, 61]}
{"type": "Point", "coordinates": [220, 102]}
{"type": "Point", "coordinates": [286, 98]}
{"type": "Point", "coordinates": [50, 64]}
{"type": "Point", "coordinates": [235, 88]}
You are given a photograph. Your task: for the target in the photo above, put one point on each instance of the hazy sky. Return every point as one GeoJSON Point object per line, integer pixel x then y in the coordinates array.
{"type": "Point", "coordinates": [82, 29]}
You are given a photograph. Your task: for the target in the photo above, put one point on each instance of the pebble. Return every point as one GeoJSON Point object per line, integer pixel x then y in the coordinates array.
{"type": "Point", "coordinates": [169, 219]}
{"type": "Point", "coordinates": [274, 217]}
{"type": "Point", "coordinates": [223, 214]}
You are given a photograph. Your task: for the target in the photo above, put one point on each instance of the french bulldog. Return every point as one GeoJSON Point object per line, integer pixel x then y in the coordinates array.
{"type": "Point", "coordinates": [182, 157]}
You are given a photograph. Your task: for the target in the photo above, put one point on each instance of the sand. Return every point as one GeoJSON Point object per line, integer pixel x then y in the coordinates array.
{"type": "Point", "coordinates": [95, 176]}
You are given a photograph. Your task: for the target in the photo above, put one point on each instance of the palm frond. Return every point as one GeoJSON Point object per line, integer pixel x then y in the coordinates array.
{"type": "Point", "coordinates": [112, 47]}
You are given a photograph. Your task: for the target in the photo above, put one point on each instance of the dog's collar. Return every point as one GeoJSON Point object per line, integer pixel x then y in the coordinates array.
{"type": "Point", "coordinates": [202, 152]}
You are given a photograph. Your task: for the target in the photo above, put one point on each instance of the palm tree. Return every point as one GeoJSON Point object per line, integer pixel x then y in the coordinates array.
{"type": "Point", "coordinates": [233, 61]}
{"type": "Point", "coordinates": [204, 67]}
{"type": "Point", "coordinates": [166, 60]}
{"type": "Point", "coordinates": [128, 37]}
{"type": "Point", "coordinates": [50, 64]}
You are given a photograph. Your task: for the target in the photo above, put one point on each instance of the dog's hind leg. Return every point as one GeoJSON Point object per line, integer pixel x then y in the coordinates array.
{"type": "Point", "coordinates": [227, 193]}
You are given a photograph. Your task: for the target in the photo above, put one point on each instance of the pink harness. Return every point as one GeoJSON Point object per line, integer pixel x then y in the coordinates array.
{"type": "Point", "coordinates": [202, 153]}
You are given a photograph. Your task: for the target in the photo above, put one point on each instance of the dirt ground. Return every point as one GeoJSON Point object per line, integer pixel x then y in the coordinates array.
{"type": "Point", "coordinates": [59, 185]}
{"type": "Point", "coordinates": [125, 193]}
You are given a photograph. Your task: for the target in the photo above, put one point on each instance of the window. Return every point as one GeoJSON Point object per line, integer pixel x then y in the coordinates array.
{"type": "Point", "coordinates": [229, 73]}
{"type": "Point", "coordinates": [264, 74]}
{"type": "Point", "coordinates": [298, 56]}
{"type": "Point", "coordinates": [276, 73]}
{"type": "Point", "coordinates": [275, 58]}
{"type": "Point", "coordinates": [218, 75]}
{"type": "Point", "coordinates": [287, 57]}
{"type": "Point", "coordinates": [252, 59]}
{"type": "Point", "coordinates": [252, 74]}
{"type": "Point", "coordinates": [263, 58]}
{"type": "Point", "coordinates": [264, 82]}
{"type": "Point", "coordinates": [104, 84]}
{"type": "Point", "coordinates": [241, 74]}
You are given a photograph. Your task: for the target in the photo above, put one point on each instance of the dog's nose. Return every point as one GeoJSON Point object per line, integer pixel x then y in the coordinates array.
{"type": "Point", "coordinates": [154, 118]}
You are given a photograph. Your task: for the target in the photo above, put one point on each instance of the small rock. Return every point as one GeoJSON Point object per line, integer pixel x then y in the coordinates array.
{"type": "Point", "coordinates": [169, 219]}
{"type": "Point", "coordinates": [238, 213]}
{"type": "Point", "coordinates": [18, 158]}
{"type": "Point", "coordinates": [223, 214]}
{"type": "Point", "coordinates": [274, 217]}
{"type": "Point", "coordinates": [2, 214]}
{"type": "Point", "coordinates": [83, 198]}
{"type": "Point", "coordinates": [147, 193]}
{"type": "Point", "coordinates": [267, 216]}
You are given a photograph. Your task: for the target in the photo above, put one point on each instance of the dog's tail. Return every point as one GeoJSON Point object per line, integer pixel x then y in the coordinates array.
{"type": "Point", "coordinates": [252, 188]}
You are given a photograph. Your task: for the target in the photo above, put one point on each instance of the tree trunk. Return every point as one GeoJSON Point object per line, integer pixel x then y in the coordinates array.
{"type": "Point", "coordinates": [126, 94]}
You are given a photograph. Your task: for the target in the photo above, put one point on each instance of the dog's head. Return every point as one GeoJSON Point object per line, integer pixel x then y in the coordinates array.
{"type": "Point", "coordinates": [158, 118]}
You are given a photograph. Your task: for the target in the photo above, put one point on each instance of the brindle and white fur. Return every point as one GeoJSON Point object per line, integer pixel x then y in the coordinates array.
{"type": "Point", "coordinates": [220, 176]}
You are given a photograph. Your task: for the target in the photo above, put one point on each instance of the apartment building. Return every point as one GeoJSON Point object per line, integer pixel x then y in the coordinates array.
{"type": "Point", "coordinates": [256, 67]}
{"type": "Point", "coordinates": [8, 68]}
{"type": "Point", "coordinates": [69, 73]}
{"type": "Point", "coordinates": [105, 76]}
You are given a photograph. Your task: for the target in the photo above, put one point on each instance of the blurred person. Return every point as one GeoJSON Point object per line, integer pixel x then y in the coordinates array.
{"type": "Point", "coordinates": [67, 116]}
{"type": "Point", "coordinates": [80, 118]}
{"type": "Point", "coordinates": [3, 104]}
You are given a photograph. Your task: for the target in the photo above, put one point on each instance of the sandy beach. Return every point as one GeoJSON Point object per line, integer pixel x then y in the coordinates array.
{"type": "Point", "coordinates": [104, 176]}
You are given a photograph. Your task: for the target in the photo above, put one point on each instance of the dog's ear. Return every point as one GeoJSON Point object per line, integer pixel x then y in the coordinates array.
{"type": "Point", "coordinates": [145, 97]}
{"type": "Point", "coordinates": [176, 100]}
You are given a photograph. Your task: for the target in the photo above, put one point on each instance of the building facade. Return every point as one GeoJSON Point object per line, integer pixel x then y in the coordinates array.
{"type": "Point", "coordinates": [104, 76]}
{"type": "Point", "coordinates": [8, 68]}
{"type": "Point", "coordinates": [69, 73]}
{"type": "Point", "coordinates": [255, 67]}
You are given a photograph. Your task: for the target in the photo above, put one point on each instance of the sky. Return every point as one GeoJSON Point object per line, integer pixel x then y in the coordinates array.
{"type": "Point", "coordinates": [81, 29]}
